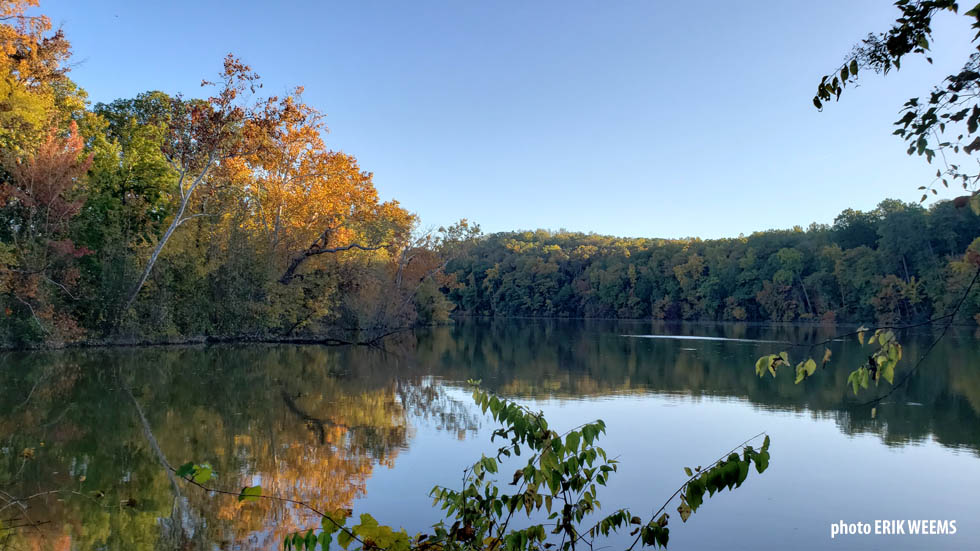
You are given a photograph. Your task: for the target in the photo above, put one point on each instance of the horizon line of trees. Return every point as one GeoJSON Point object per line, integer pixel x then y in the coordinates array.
{"type": "Point", "coordinates": [898, 263]}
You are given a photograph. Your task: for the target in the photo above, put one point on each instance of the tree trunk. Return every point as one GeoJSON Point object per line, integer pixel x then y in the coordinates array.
{"type": "Point", "coordinates": [153, 257]}
{"type": "Point", "coordinates": [177, 221]}
{"type": "Point", "coordinates": [805, 295]}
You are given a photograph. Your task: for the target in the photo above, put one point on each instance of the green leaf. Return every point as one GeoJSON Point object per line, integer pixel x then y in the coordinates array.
{"type": "Point", "coordinates": [888, 372]}
{"type": "Point", "coordinates": [854, 67]}
{"type": "Point", "coordinates": [332, 521]}
{"type": "Point", "coordinates": [775, 363]}
{"type": "Point", "coordinates": [854, 380]}
{"type": "Point", "coordinates": [694, 494]}
{"type": "Point", "coordinates": [202, 473]}
{"type": "Point", "coordinates": [685, 511]}
{"type": "Point", "coordinates": [572, 441]}
{"type": "Point", "coordinates": [743, 472]}
{"type": "Point", "coordinates": [688, 471]}
{"type": "Point", "coordinates": [325, 540]}
{"type": "Point", "coordinates": [805, 369]}
{"type": "Point", "coordinates": [810, 366]}
{"type": "Point", "coordinates": [250, 493]}
{"type": "Point", "coordinates": [186, 469]}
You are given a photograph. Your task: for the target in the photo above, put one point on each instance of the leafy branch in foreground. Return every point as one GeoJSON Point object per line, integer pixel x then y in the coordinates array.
{"type": "Point", "coordinates": [952, 103]}
{"type": "Point", "coordinates": [560, 480]}
{"type": "Point", "coordinates": [881, 363]}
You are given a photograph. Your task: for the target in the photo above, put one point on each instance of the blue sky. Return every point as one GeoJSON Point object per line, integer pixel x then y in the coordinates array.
{"type": "Point", "coordinates": [648, 118]}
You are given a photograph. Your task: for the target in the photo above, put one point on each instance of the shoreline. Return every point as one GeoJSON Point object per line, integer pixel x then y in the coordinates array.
{"type": "Point", "coordinates": [205, 340]}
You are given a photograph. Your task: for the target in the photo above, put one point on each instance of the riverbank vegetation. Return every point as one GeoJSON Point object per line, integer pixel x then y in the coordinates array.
{"type": "Point", "coordinates": [165, 217]}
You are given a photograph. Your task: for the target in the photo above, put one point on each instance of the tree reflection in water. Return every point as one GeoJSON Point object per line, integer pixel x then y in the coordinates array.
{"type": "Point", "coordinates": [312, 423]}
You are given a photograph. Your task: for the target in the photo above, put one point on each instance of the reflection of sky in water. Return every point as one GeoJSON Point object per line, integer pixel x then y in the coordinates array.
{"type": "Point", "coordinates": [818, 475]}
{"type": "Point", "coordinates": [699, 338]}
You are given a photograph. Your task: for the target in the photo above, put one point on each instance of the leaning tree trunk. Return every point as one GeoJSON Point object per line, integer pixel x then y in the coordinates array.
{"type": "Point", "coordinates": [174, 224]}
{"type": "Point", "coordinates": [805, 294]}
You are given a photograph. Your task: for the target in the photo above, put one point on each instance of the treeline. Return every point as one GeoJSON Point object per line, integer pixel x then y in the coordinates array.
{"type": "Point", "coordinates": [897, 263]}
{"type": "Point", "coordinates": [165, 217]}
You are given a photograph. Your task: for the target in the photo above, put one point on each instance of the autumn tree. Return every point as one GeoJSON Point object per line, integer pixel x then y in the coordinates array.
{"type": "Point", "coordinates": [410, 289]}
{"type": "Point", "coordinates": [201, 135]}
{"type": "Point", "coordinates": [41, 196]}
{"type": "Point", "coordinates": [35, 93]}
{"type": "Point", "coordinates": [309, 200]}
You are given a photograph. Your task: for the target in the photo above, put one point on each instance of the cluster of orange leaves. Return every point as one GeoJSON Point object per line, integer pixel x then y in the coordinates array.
{"type": "Point", "coordinates": [303, 196]}
{"type": "Point", "coordinates": [27, 52]}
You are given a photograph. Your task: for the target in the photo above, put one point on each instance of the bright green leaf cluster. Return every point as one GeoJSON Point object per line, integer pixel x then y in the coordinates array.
{"type": "Point", "coordinates": [881, 364]}
{"type": "Point", "coordinates": [770, 364]}
{"type": "Point", "coordinates": [250, 493]}
{"type": "Point", "coordinates": [805, 369]}
{"type": "Point", "coordinates": [728, 473]}
{"type": "Point", "coordinates": [199, 474]}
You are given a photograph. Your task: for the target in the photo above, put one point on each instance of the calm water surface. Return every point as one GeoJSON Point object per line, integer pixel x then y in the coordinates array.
{"type": "Point", "coordinates": [375, 430]}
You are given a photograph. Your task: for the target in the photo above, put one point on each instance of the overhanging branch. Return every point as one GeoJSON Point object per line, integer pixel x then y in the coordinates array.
{"type": "Point", "coordinates": [298, 260]}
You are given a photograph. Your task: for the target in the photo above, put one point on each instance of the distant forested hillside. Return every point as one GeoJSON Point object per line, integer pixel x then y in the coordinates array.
{"type": "Point", "coordinates": [897, 263]}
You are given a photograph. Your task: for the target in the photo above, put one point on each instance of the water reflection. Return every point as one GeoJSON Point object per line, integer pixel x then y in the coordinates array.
{"type": "Point", "coordinates": [303, 422]}
{"type": "Point", "coordinates": [315, 423]}
{"type": "Point", "coordinates": [573, 359]}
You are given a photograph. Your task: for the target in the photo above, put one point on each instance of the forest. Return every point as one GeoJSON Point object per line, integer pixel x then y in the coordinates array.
{"type": "Point", "coordinates": [162, 217]}
{"type": "Point", "coordinates": [165, 218]}
{"type": "Point", "coordinates": [898, 263]}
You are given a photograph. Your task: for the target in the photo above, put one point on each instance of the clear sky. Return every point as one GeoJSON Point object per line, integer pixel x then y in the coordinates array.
{"type": "Point", "coordinates": [634, 118]}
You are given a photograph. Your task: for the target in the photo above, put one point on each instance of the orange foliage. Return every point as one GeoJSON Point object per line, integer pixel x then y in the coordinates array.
{"type": "Point", "coordinates": [27, 53]}
{"type": "Point", "coordinates": [307, 199]}
{"type": "Point", "coordinates": [43, 195]}
{"type": "Point", "coordinates": [46, 184]}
